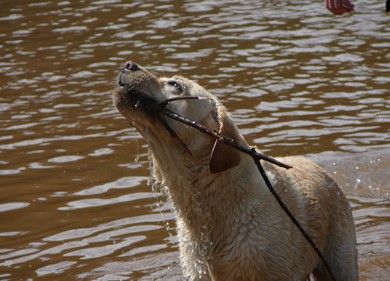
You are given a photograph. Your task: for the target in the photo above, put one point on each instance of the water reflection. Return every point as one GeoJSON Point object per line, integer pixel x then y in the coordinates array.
{"type": "Point", "coordinates": [74, 200]}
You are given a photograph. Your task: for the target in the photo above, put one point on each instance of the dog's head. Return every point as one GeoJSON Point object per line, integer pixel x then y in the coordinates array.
{"type": "Point", "coordinates": [136, 96]}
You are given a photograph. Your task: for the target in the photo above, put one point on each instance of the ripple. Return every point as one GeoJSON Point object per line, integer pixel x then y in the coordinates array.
{"type": "Point", "coordinates": [126, 182]}
{"type": "Point", "coordinates": [11, 17]}
{"type": "Point", "coordinates": [268, 64]}
{"type": "Point", "coordinates": [97, 202]}
{"type": "Point", "coordinates": [274, 106]}
{"type": "Point", "coordinates": [65, 159]}
{"type": "Point", "coordinates": [5, 207]}
{"type": "Point", "coordinates": [37, 165]}
{"type": "Point", "coordinates": [144, 250]}
{"type": "Point", "coordinates": [162, 266]}
{"type": "Point", "coordinates": [101, 152]}
{"type": "Point", "coordinates": [121, 223]}
{"type": "Point", "coordinates": [66, 105]}
{"type": "Point", "coordinates": [139, 14]}
{"type": "Point", "coordinates": [344, 58]}
{"type": "Point", "coordinates": [49, 251]}
{"type": "Point", "coordinates": [11, 234]}
{"type": "Point", "coordinates": [314, 49]}
{"type": "Point", "coordinates": [165, 23]}
{"type": "Point", "coordinates": [78, 29]}
{"type": "Point", "coordinates": [83, 74]}
{"type": "Point", "coordinates": [56, 268]}
{"type": "Point", "coordinates": [98, 252]}
{"type": "Point", "coordinates": [191, 55]}
{"type": "Point", "coordinates": [22, 32]}
{"type": "Point", "coordinates": [18, 253]}
{"type": "Point", "coordinates": [7, 172]}
{"type": "Point", "coordinates": [22, 126]}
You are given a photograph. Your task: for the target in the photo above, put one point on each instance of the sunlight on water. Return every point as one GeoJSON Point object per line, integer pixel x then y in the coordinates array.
{"type": "Point", "coordinates": [77, 201]}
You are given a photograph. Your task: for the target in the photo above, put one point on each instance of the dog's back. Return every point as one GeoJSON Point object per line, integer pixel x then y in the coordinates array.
{"type": "Point", "coordinates": [260, 243]}
{"type": "Point", "coordinates": [321, 207]}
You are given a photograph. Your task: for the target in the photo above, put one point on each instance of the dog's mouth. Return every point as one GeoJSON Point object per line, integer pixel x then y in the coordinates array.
{"type": "Point", "coordinates": [132, 97]}
{"type": "Point", "coordinates": [120, 80]}
{"type": "Point", "coordinates": [129, 97]}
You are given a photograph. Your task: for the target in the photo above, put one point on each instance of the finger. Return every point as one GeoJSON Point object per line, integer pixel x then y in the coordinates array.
{"type": "Point", "coordinates": [343, 6]}
{"type": "Point", "coordinates": [338, 12]}
{"type": "Point", "coordinates": [335, 7]}
{"type": "Point", "coordinates": [348, 6]}
{"type": "Point", "coordinates": [331, 5]}
{"type": "Point", "coordinates": [327, 4]}
{"type": "Point", "coordinates": [348, 10]}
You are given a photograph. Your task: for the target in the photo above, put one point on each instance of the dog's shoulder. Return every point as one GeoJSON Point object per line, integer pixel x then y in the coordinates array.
{"type": "Point", "coordinates": [305, 177]}
{"type": "Point", "coordinates": [303, 170]}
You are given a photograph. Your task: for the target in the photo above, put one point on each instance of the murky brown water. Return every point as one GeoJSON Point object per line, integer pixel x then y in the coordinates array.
{"type": "Point", "coordinates": [74, 201]}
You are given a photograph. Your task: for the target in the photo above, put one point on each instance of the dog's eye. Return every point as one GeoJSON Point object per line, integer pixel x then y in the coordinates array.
{"type": "Point", "coordinates": [176, 85]}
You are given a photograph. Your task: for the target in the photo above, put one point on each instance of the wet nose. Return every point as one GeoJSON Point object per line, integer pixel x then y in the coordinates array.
{"type": "Point", "coordinates": [130, 66]}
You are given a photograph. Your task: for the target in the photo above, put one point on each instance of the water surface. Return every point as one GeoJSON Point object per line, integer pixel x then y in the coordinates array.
{"type": "Point", "coordinates": [75, 202]}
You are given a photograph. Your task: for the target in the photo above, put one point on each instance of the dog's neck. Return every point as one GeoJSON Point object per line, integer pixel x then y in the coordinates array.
{"type": "Point", "coordinates": [201, 200]}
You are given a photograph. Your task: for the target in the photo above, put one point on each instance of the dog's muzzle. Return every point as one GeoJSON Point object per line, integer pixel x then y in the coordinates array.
{"type": "Point", "coordinates": [128, 69]}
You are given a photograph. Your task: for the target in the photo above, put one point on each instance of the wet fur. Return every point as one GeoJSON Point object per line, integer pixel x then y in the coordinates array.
{"type": "Point", "coordinates": [229, 226]}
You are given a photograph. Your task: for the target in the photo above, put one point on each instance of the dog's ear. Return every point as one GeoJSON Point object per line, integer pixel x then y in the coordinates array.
{"type": "Point", "coordinates": [223, 156]}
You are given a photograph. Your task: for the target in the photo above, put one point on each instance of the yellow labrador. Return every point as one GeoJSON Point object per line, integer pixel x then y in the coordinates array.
{"type": "Point", "coordinates": [229, 226]}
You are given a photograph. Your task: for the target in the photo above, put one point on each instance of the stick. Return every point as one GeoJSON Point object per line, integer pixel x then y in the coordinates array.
{"type": "Point", "coordinates": [251, 151]}
{"type": "Point", "coordinates": [164, 103]}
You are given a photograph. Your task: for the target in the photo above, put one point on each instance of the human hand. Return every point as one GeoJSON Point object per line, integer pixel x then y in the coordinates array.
{"type": "Point", "coordinates": [339, 7]}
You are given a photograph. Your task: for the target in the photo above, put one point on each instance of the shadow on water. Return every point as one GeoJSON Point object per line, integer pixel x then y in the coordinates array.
{"type": "Point", "coordinates": [75, 201]}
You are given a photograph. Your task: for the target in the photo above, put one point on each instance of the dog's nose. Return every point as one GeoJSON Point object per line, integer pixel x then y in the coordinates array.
{"type": "Point", "coordinates": [130, 66]}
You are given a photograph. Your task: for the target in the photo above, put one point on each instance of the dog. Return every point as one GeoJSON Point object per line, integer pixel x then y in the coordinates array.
{"type": "Point", "coordinates": [230, 228]}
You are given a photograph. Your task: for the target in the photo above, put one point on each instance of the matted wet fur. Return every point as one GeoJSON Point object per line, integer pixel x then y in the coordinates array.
{"type": "Point", "coordinates": [229, 226]}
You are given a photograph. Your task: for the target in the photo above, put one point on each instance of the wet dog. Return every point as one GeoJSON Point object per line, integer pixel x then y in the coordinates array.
{"type": "Point", "coordinates": [230, 228]}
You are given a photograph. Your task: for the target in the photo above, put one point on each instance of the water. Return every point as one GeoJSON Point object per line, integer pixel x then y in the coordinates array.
{"type": "Point", "coordinates": [74, 202]}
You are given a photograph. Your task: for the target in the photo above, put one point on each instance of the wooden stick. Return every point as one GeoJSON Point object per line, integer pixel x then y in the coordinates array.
{"type": "Point", "coordinates": [164, 103]}
{"type": "Point", "coordinates": [248, 150]}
